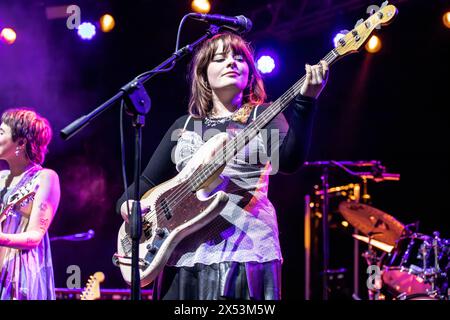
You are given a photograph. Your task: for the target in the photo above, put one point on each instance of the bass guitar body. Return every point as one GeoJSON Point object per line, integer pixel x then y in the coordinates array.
{"type": "Point", "coordinates": [176, 209]}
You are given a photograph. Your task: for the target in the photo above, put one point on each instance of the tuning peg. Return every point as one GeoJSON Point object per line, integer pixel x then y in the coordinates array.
{"type": "Point", "coordinates": [359, 22]}
{"type": "Point", "coordinates": [372, 9]}
{"type": "Point", "coordinates": [384, 4]}
{"type": "Point", "coordinates": [339, 38]}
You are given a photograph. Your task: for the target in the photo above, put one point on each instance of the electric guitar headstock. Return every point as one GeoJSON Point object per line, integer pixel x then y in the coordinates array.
{"type": "Point", "coordinates": [354, 39]}
{"type": "Point", "coordinates": [92, 290]}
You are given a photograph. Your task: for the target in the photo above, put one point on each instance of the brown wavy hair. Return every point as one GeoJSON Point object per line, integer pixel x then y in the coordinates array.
{"type": "Point", "coordinates": [200, 102]}
{"type": "Point", "coordinates": [27, 124]}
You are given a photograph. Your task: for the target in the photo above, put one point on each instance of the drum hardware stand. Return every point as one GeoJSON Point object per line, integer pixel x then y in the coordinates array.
{"type": "Point", "coordinates": [372, 259]}
{"type": "Point", "coordinates": [307, 246]}
{"type": "Point", "coordinates": [325, 233]}
{"type": "Point", "coordinates": [356, 251]}
{"type": "Point", "coordinates": [435, 274]}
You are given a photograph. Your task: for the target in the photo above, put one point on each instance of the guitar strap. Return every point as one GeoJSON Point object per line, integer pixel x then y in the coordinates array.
{"type": "Point", "coordinates": [255, 112]}
{"type": "Point", "coordinates": [186, 123]}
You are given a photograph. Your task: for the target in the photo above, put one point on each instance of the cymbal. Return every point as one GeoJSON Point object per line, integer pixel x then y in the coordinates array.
{"type": "Point", "coordinates": [374, 223]}
{"type": "Point", "coordinates": [378, 244]}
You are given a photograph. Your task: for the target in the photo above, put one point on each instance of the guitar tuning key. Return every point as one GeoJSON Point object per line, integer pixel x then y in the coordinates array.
{"type": "Point", "coordinates": [356, 35]}
{"type": "Point", "coordinates": [340, 40]}
{"type": "Point", "coordinates": [359, 22]}
{"type": "Point", "coordinates": [384, 4]}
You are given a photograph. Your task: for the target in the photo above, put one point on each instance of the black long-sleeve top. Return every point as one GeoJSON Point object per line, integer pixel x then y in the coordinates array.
{"type": "Point", "coordinates": [246, 229]}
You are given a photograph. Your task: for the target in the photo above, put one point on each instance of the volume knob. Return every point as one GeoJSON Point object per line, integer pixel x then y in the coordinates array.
{"type": "Point", "coordinates": [160, 232]}
{"type": "Point", "coordinates": [151, 248]}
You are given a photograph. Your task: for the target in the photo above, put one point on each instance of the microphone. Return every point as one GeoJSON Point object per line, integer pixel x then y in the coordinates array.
{"type": "Point", "coordinates": [76, 237]}
{"type": "Point", "coordinates": [239, 24]}
{"type": "Point", "coordinates": [82, 236]}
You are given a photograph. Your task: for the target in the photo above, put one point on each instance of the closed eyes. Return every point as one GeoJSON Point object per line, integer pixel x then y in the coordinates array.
{"type": "Point", "coordinates": [220, 58]}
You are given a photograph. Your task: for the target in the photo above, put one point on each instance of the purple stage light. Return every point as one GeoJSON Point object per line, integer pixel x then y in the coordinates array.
{"type": "Point", "coordinates": [265, 64]}
{"type": "Point", "coordinates": [86, 31]}
{"type": "Point", "coordinates": [8, 36]}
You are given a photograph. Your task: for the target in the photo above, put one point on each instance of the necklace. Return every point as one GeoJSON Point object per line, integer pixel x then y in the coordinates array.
{"type": "Point", "coordinates": [212, 122]}
{"type": "Point", "coordinates": [240, 115]}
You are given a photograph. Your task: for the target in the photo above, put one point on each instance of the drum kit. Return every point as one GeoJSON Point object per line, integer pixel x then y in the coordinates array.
{"type": "Point", "coordinates": [402, 263]}
{"type": "Point", "coordinates": [411, 265]}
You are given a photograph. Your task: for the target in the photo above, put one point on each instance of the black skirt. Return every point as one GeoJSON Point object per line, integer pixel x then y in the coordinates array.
{"type": "Point", "coordinates": [220, 281]}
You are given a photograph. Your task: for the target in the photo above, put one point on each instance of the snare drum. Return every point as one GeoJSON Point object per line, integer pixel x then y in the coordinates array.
{"type": "Point", "coordinates": [404, 270]}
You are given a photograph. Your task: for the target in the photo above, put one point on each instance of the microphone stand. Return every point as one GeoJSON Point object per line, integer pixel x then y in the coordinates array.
{"type": "Point", "coordinates": [138, 105]}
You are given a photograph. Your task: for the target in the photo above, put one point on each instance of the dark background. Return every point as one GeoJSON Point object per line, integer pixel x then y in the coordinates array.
{"type": "Point", "coordinates": [390, 106]}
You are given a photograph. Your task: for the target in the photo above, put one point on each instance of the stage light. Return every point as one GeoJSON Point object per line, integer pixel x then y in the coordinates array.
{"type": "Point", "coordinates": [265, 64]}
{"type": "Point", "coordinates": [373, 45]}
{"type": "Point", "coordinates": [338, 36]}
{"type": "Point", "coordinates": [344, 224]}
{"type": "Point", "coordinates": [107, 23]}
{"type": "Point", "coordinates": [446, 19]}
{"type": "Point", "coordinates": [86, 31]}
{"type": "Point", "coordinates": [201, 6]}
{"type": "Point", "coordinates": [8, 36]}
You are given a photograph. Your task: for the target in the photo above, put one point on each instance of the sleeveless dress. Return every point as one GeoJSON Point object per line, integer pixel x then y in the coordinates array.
{"type": "Point", "coordinates": [24, 274]}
